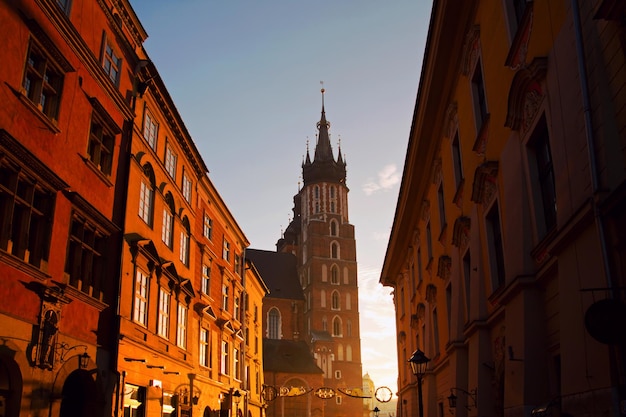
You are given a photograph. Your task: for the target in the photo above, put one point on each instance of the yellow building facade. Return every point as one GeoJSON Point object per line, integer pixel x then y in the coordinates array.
{"type": "Point", "coordinates": [506, 251]}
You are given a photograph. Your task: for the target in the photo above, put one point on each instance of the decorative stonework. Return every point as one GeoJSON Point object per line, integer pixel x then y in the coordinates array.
{"type": "Point", "coordinates": [461, 233]}
{"type": "Point", "coordinates": [526, 95]}
{"type": "Point", "coordinates": [471, 50]}
{"type": "Point", "coordinates": [451, 120]}
{"type": "Point", "coordinates": [444, 268]}
{"type": "Point", "coordinates": [485, 182]}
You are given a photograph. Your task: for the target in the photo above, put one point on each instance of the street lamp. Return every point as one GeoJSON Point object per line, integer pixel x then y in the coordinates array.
{"type": "Point", "coordinates": [237, 399]}
{"type": "Point", "coordinates": [418, 363]}
{"type": "Point", "coordinates": [376, 410]}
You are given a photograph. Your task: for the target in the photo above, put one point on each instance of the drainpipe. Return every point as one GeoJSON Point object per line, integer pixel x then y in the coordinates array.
{"type": "Point", "coordinates": [620, 351]}
{"type": "Point", "coordinates": [584, 86]}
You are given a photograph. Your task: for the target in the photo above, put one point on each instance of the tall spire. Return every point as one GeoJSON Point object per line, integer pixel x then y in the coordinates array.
{"type": "Point", "coordinates": [324, 167]}
{"type": "Point", "coordinates": [323, 150]}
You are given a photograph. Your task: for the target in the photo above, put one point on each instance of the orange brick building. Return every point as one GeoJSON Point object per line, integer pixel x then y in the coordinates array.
{"type": "Point", "coordinates": [65, 120]}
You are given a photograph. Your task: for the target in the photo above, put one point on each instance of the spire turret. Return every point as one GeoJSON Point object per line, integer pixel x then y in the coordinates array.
{"type": "Point", "coordinates": [324, 167]}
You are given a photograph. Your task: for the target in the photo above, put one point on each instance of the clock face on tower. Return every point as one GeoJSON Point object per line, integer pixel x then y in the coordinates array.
{"type": "Point", "coordinates": [383, 394]}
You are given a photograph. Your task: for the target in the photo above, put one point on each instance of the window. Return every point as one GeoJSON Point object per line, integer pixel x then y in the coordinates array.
{"type": "Point", "coordinates": [65, 6]}
{"type": "Point", "coordinates": [208, 227]}
{"type": "Point", "coordinates": [170, 161]}
{"type": "Point", "coordinates": [429, 241]}
{"type": "Point", "coordinates": [236, 366]}
{"type": "Point", "coordinates": [43, 81]}
{"type": "Point", "coordinates": [226, 251]}
{"type": "Point", "coordinates": [181, 326]}
{"type": "Point", "coordinates": [236, 308]}
{"type": "Point", "coordinates": [337, 374]}
{"type": "Point", "coordinates": [496, 251]}
{"type": "Point", "coordinates": [203, 355]}
{"type": "Point", "coordinates": [225, 297]}
{"type": "Point", "coordinates": [333, 199]}
{"type": "Point", "coordinates": [225, 357]}
{"type": "Point", "coordinates": [111, 62]}
{"type": "Point", "coordinates": [273, 324]}
{"type": "Point", "coordinates": [86, 252]}
{"type": "Point", "coordinates": [349, 353]}
{"type": "Point", "coordinates": [146, 199]}
{"type": "Point", "coordinates": [435, 331]}
{"type": "Point", "coordinates": [419, 265]}
{"type": "Point", "coordinates": [26, 211]}
{"type": "Point", "coordinates": [167, 229]}
{"type": "Point", "coordinates": [442, 208]}
{"type": "Point", "coordinates": [543, 176]}
{"type": "Point", "coordinates": [206, 279]}
{"type": "Point", "coordinates": [335, 304]}
{"type": "Point", "coordinates": [337, 327]}
{"type": "Point", "coordinates": [467, 270]}
{"type": "Point", "coordinates": [349, 329]}
{"type": "Point", "coordinates": [150, 130]}
{"type": "Point", "coordinates": [324, 323]}
{"type": "Point", "coordinates": [140, 311]}
{"type": "Point", "coordinates": [163, 328]}
{"type": "Point", "coordinates": [101, 144]}
{"type": "Point", "coordinates": [322, 298]}
{"type": "Point", "coordinates": [238, 264]}
{"type": "Point", "coordinates": [334, 250]}
{"type": "Point", "coordinates": [456, 160]}
{"type": "Point", "coordinates": [184, 247]}
{"type": "Point", "coordinates": [334, 275]}
{"type": "Point", "coordinates": [478, 96]}
{"type": "Point", "coordinates": [348, 302]}
{"type": "Point", "coordinates": [333, 227]}
{"type": "Point", "coordinates": [187, 188]}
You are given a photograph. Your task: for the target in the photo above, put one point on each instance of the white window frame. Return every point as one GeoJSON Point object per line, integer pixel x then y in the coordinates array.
{"type": "Point", "coordinates": [206, 279]}
{"type": "Point", "coordinates": [203, 349]}
{"type": "Point", "coordinates": [163, 326]}
{"type": "Point", "coordinates": [140, 308]}
{"type": "Point", "coordinates": [181, 326]}
{"type": "Point", "coordinates": [167, 228]}
{"type": "Point", "coordinates": [146, 199]}
{"type": "Point", "coordinates": [170, 161]}
{"type": "Point", "coordinates": [150, 130]}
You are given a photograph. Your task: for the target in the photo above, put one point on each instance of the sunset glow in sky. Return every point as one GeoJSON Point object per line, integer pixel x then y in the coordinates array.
{"type": "Point", "coordinates": [245, 76]}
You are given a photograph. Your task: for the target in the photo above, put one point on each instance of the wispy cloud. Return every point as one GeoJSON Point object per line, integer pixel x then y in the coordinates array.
{"type": "Point", "coordinates": [388, 177]}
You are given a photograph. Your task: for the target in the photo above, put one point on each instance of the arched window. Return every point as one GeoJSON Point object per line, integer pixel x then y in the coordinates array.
{"type": "Point", "coordinates": [334, 275]}
{"type": "Point", "coordinates": [337, 327]}
{"type": "Point", "coordinates": [323, 299]}
{"type": "Point", "coordinates": [324, 323]}
{"type": "Point", "coordinates": [273, 324]}
{"type": "Point", "coordinates": [146, 195]}
{"type": "Point", "coordinates": [349, 328]}
{"type": "Point", "coordinates": [348, 302]}
{"type": "Point", "coordinates": [334, 250]}
{"type": "Point", "coordinates": [333, 227]}
{"type": "Point", "coordinates": [335, 302]}
{"type": "Point", "coordinates": [333, 200]}
{"type": "Point", "coordinates": [340, 352]}
{"type": "Point", "coordinates": [349, 353]}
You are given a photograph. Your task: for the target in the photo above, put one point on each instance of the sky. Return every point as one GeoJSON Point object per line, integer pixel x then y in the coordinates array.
{"type": "Point", "coordinates": [246, 75]}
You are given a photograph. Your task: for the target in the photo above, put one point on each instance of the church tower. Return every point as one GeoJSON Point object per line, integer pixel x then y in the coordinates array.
{"type": "Point", "coordinates": [322, 238]}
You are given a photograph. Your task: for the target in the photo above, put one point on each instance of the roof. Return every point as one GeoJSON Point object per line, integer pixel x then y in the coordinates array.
{"type": "Point", "coordinates": [288, 356]}
{"type": "Point", "coordinates": [279, 272]}
{"type": "Point", "coordinates": [321, 335]}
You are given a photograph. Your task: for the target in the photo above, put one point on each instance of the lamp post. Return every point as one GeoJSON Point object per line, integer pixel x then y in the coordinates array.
{"type": "Point", "coordinates": [237, 399]}
{"type": "Point", "coordinates": [376, 410]}
{"type": "Point", "coordinates": [418, 363]}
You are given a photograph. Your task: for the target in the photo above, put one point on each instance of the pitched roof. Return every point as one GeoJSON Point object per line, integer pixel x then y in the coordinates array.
{"type": "Point", "coordinates": [279, 272]}
{"type": "Point", "coordinates": [288, 356]}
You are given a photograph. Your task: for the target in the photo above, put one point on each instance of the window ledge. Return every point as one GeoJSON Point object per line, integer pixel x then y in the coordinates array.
{"type": "Point", "coordinates": [51, 124]}
{"type": "Point", "coordinates": [105, 178]}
